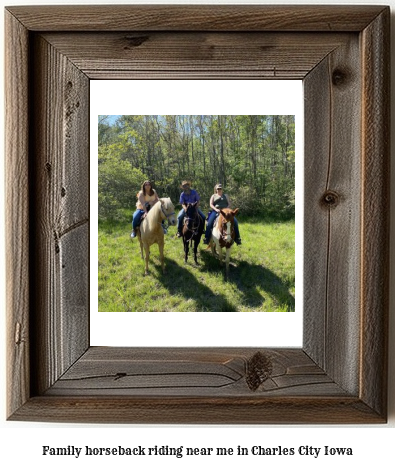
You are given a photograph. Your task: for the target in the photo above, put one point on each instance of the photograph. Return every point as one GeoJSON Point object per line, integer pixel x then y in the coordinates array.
{"type": "Point", "coordinates": [196, 213]}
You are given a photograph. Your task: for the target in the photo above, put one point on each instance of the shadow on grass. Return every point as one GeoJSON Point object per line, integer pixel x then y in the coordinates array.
{"type": "Point", "coordinates": [180, 282]}
{"type": "Point", "coordinates": [211, 264]}
{"type": "Point", "coordinates": [249, 279]}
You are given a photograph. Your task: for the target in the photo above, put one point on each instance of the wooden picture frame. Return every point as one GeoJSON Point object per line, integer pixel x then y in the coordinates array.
{"type": "Point", "coordinates": [340, 374]}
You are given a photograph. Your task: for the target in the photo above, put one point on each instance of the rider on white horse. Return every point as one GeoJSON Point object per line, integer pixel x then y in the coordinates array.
{"type": "Point", "coordinates": [146, 198]}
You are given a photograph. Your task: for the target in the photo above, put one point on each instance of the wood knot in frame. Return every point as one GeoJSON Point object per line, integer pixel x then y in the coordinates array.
{"type": "Point", "coordinates": [133, 42]}
{"type": "Point", "coordinates": [340, 77]}
{"type": "Point", "coordinates": [71, 105]}
{"type": "Point", "coordinates": [330, 199]}
{"type": "Point", "coordinates": [259, 369]}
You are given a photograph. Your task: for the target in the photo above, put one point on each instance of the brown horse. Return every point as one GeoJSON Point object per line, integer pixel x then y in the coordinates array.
{"type": "Point", "coordinates": [192, 230]}
{"type": "Point", "coordinates": [223, 235]}
{"type": "Point", "coordinates": [151, 230]}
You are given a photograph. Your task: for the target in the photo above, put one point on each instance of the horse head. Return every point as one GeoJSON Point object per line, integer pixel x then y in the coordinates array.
{"type": "Point", "coordinates": [191, 215]}
{"type": "Point", "coordinates": [168, 210]}
{"type": "Point", "coordinates": [192, 208]}
{"type": "Point", "coordinates": [226, 225]}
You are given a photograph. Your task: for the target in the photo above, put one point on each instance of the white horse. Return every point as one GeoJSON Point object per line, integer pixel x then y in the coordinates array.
{"type": "Point", "coordinates": [151, 230]}
{"type": "Point", "coordinates": [223, 235]}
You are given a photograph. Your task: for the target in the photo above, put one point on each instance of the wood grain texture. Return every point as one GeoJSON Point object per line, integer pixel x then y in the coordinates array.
{"type": "Point", "coordinates": [376, 211]}
{"type": "Point", "coordinates": [339, 376]}
{"type": "Point", "coordinates": [317, 113]}
{"type": "Point", "coordinates": [196, 18]}
{"type": "Point", "coordinates": [60, 188]}
{"type": "Point", "coordinates": [124, 385]}
{"type": "Point", "coordinates": [191, 372]}
{"type": "Point", "coordinates": [332, 205]}
{"type": "Point", "coordinates": [17, 213]}
{"type": "Point", "coordinates": [151, 55]}
{"type": "Point", "coordinates": [198, 410]}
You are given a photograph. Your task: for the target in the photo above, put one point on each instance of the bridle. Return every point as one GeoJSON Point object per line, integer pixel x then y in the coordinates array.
{"type": "Point", "coordinates": [223, 232]}
{"type": "Point", "coordinates": [195, 224]}
{"type": "Point", "coordinates": [167, 215]}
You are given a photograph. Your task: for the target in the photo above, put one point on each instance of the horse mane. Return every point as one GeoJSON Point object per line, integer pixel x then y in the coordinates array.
{"type": "Point", "coordinates": [152, 216]}
{"type": "Point", "coordinates": [156, 210]}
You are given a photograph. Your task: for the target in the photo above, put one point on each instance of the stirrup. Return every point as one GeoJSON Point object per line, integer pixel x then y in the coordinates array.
{"type": "Point", "coordinates": [238, 241]}
{"type": "Point", "coordinates": [133, 234]}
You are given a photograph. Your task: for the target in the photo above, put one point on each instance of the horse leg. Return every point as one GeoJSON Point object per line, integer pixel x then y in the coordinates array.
{"type": "Point", "coordinates": [220, 254]}
{"type": "Point", "coordinates": [141, 245]}
{"type": "Point", "coordinates": [186, 250]}
{"type": "Point", "coordinates": [161, 255]}
{"type": "Point", "coordinates": [195, 247]}
{"type": "Point", "coordinates": [227, 261]}
{"type": "Point", "coordinates": [212, 246]}
{"type": "Point", "coordinates": [146, 249]}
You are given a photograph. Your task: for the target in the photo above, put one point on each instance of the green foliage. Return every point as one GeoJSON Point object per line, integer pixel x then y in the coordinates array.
{"type": "Point", "coordinates": [118, 184]}
{"type": "Point", "coordinates": [252, 156]}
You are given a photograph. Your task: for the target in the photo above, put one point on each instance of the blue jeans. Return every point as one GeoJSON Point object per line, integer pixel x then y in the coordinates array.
{"type": "Point", "coordinates": [210, 225]}
{"type": "Point", "coordinates": [137, 218]}
{"type": "Point", "coordinates": [180, 218]}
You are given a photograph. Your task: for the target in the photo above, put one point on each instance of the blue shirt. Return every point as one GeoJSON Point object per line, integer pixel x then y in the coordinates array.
{"type": "Point", "coordinates": [193, 196]}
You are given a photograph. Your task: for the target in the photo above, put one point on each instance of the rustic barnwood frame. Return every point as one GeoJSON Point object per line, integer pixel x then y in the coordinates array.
{"type": "Point", "coordinates": [340, 373]}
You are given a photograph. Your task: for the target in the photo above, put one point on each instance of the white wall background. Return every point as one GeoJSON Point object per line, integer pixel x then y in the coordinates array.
{"type": "Point", "coordinates": [21, 443]}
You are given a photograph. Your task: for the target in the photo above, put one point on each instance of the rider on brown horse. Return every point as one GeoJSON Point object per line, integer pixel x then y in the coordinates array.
{"type": "Point", "coordinates": [219, 201]}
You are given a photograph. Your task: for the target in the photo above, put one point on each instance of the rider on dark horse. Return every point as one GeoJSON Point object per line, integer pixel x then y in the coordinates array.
{"type": "Point", "coordinates": [188, 195]}
{"type": "Point", "coordinates": [219, 201]}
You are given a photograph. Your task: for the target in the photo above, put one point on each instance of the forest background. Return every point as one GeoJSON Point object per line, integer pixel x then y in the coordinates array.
{"type": "Point", "coordinates": [252, 156]}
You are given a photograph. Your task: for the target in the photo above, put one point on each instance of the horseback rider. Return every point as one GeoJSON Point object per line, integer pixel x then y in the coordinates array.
{"type": "Point", "coordinates": [219, 201]}
{"type": "Point", "coordinates": [146, 198]}
{"type": "Point", "coordinates": [188, 195]}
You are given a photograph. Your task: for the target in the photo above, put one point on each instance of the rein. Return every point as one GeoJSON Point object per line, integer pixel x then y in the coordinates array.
{"type": "Point", "coordinates": [194, 229]}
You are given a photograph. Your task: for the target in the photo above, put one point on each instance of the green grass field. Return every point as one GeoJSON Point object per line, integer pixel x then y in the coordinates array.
{"type": "Point", "coordinates": [262, 273]}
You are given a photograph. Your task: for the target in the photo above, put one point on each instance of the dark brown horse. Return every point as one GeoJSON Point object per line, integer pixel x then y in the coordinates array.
{"type": "Point", "coordinates": [192, 230]}
{"type": "Point", "coordinates": [224, 235]}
